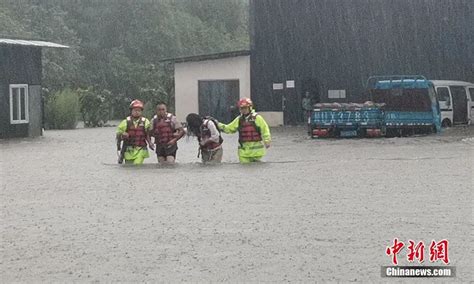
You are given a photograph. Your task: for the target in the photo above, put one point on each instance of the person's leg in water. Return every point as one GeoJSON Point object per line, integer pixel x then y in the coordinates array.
{"type": "Point", "coordinates": [164, 158]}
{"type": "Point", "coordinates": [161, 159]}
{"type": "Point", "coordinates": [136, 157]}
{"type": "Point", "coordinates": [248, 160]}
{"type": "Point", "coordinates": [139, 160]}
{"type": "Point", "coordinates": [170, 154]}
{"type": "Point", "coordinates": [250, 154]}
{"type": "Point", "coordinates": [136, 161]}
{"type": "Point", "coordinates": [217, 156]}
{"type": "Point", "coordinates": [166, 154]}
{"type": "Point", "coordinates": [244, 160]}
{"type": "Point", "coordinates": [214, 156]}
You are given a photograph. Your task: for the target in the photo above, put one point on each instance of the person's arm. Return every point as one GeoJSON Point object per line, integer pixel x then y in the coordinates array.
{"type": "Point", "coordinates": [121, 133]}
{"type": "Point", "coordinates": [122, 129]}
{"type": "Point", "coordinates": [231, 127]}
{"type": "Point", "coordinates": [214, 134]}
{"type": "Point", "coordinates": [148, 131]}
{"type": "Point", "coordinates": [179, 128]}
{"type": "Point", "coordinates": [264, 130]}
{"type": "Point", "coordinates": [151, 132]}
{"type": "Point", "coordinates": [179, 131]}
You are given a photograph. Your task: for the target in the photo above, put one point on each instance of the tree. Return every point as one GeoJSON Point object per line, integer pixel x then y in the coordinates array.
{"type": "Point", "coordinates": [117, 45]}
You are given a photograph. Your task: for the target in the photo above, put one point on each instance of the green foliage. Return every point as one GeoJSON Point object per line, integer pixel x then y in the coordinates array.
{"type": "Point", "coordinates": [61, 110]}
{"type": "Point", "coordinates": [149, 110]}
{"type": "Point", "coordinates": [10, 25]}
{"type": "Point", "coordinates": [95, 106]}
{"type": "Point", "coordinates": [118, 45]}
{"type": "Point", "coordinates": [61, 68]}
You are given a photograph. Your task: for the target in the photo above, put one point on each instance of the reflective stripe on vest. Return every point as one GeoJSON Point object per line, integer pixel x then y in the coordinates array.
{"type": "Point", "coordinates": [248, 130]}
{"type": "Point", "coordinates": [137, 134]}
{"type": "Point", "coordinates": [255, 147]}
{"type": "Point", "coordinates": [163, 129]}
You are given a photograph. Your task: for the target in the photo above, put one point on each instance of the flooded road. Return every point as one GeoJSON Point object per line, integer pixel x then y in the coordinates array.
{"type": "Point", "coordinates": [316, 210]}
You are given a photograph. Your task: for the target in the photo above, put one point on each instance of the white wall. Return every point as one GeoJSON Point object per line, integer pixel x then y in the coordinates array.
{"type": "Point", "coordinates": [187, 75]}
{"type": "Point", "coordinates": [273, 118]}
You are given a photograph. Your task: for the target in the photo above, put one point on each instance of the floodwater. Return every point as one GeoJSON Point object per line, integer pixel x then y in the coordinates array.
{"type": "Point", "coordinates": [316, 210]}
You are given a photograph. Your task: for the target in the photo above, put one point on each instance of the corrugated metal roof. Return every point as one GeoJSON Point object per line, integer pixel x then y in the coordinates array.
{"type": "Point", "coordinates": [212, 56]}
{"type": "Point", "coordinates": [39, 43]}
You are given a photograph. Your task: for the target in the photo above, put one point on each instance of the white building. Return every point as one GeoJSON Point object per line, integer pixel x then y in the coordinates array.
{"type": "Point", "coordinates": [212, 84]}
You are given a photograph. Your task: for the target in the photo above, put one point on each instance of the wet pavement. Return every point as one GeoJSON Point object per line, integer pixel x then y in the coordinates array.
{"type": "Point", "coordinates": [315, 210]}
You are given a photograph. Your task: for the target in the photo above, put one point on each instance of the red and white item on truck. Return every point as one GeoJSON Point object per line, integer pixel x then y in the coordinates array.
{"type": "Point", "coordinates": [320, 132]}
{"type": "Point", "coordinates": [374, 132]}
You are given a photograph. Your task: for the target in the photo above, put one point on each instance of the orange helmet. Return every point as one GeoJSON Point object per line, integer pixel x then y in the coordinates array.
{"type": "Point", "coordinates": [245, 102]}
{"type": "Point", "coordinates": [136, 104]}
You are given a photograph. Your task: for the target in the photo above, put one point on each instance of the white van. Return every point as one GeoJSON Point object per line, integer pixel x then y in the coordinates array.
{"type": "Point", "coordinates": [456, 101]}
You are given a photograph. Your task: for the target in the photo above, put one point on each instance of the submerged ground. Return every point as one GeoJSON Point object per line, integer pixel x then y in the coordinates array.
{"type": "Point", "coordinates": [317, 210]}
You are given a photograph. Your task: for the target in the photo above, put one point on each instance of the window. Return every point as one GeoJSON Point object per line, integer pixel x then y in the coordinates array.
{"type": "Point", "coordinates": [18, 104]}
{"type": "Point", "coordinates": [417, 100]}
{"type": "Point", "coordinates": [443, 94]}
{"type": "Point", "coordinates": [336, 94]}
{"type": "Point", "coordinates": [459, 93]}
{"type": "Point", "coordinates": [471, 93]}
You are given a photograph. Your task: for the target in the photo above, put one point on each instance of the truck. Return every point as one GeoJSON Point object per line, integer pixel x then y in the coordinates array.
{"type": "Point", "coordinates": [399, 105]}
{"type": "Point", "coordinates": [346, 120]}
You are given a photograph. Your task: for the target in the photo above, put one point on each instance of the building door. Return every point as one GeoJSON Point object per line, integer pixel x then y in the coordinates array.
{"type": "Point", "coordinates": [288, 100]}
{"type": "Point", "coordinates": [459, 104]}
{"type": "Point", "coordinates": [291, 107]}
{"type": "Point", "coordinates": [310, 85]}
{"type": "Point", "coordinates": [218, 99]}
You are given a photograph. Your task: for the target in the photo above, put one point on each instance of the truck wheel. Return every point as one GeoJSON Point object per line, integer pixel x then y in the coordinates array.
{"type": "Point", "coordinates": [446, 123]}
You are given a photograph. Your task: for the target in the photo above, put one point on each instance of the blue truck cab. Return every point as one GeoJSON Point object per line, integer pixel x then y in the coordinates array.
{"type": "Point", "coordinates": [411, 105]}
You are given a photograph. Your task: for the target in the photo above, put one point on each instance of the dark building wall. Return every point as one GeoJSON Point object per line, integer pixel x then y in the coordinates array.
{"type": "Point", "coordinates": [20, 65]}
{"type": "Point", "coordinates": [338, 44]}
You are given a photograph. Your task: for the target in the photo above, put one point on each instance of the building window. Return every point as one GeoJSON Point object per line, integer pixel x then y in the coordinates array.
{"type": "Point", "coordinates": [19, 104]}
{"type": "Point", "coordinates": [336, 94]}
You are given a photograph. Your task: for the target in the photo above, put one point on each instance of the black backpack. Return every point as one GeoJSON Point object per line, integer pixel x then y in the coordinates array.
{"type": "Point", "coordinates": [217, 127]}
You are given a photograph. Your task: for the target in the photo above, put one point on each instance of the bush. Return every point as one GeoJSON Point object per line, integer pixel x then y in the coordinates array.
{"type": "Point", "coordinates": [94, 106]}
{"type": "Point", "coordinates": [152, 97]}
{"type": "Point", "coordinates": [61, 110]}
{"type": "Point", "coordinates": [149, 110]}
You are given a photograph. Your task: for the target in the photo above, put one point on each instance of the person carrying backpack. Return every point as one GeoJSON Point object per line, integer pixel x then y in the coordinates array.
{"type": "Point", "coordinates": [209, 137]}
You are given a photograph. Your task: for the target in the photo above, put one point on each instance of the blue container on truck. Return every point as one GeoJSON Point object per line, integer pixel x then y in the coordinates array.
{"type": "Point", "coordinates": [345, 120]}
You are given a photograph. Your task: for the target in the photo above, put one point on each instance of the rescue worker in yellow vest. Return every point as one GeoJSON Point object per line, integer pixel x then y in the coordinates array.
{"type": "Point", "coordinates": [254, 133]}
{"type": "Point", "coordinates": [134, 131]}
{"type": "Point", "coordinates": [166, 130]}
